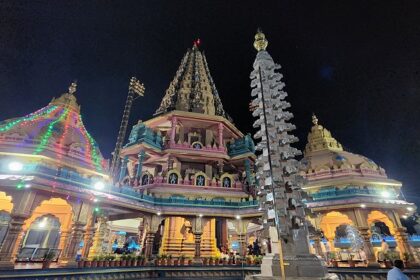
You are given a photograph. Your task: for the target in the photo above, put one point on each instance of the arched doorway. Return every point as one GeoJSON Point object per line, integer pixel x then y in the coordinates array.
{"type": "Point", "coordinates": [44, 232]}
{"type": "Point", "coordinates": [330, 222]}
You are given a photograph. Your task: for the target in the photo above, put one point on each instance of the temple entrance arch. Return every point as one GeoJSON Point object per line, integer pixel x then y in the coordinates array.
{"type": "Point", "coordinates": [330, 222]}
{"type": "Point", "coordinates": [376, 216]}
{"type": "Point", "coordinates": [6, 206]}
{"type": "Point", "coordinates": [43, 232]}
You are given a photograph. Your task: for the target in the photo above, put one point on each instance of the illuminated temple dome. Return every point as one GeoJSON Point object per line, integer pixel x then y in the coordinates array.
{"type": "Point", "coordinates": [351, 193]}
{"type": "Point", "coordinates": [323, 153]}
{"type": "Point", "coordinates": [55, 131]}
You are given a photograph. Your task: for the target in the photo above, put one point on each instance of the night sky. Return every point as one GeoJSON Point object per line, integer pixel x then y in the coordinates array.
{"type": "Point", "coordinates": [354, 63]}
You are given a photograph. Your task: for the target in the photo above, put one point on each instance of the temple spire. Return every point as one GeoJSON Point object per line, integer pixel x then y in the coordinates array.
{"type": "Point", "coordinates": [320, 139]}
{"type": "Point", "coordinates": [68, 99]}
{"type": "Point", "coordinates": [192, 89]}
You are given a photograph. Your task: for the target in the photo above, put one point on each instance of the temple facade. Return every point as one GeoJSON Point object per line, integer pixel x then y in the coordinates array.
{"type": "Point", "coordinates": [356, 206]}
{"type": "Point", "coordinates": [192, 155]}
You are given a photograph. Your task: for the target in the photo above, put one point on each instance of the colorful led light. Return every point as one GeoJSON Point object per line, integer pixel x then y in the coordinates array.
{"type": "Point", "coordinates": [47, 135]}
{"type": "Point", "coordinates": [41, 112]}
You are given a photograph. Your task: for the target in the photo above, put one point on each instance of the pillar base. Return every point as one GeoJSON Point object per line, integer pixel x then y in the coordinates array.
{"type": "Point", "coordinates": [295, 266]}
{"type": "Point", "coordinates": [373, 264]}
{"type": "Point", "coordinates": [197, 261]}
{"type": "Point", "coordinates": [6, 265]}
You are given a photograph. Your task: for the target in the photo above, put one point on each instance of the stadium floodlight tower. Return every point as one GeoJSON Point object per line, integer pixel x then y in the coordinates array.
{"type": "Point", "coordinates": [278, 180]}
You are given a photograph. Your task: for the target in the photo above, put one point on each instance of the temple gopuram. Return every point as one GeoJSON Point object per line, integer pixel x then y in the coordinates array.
{"type": "Point", "coordinates": [355, 206]}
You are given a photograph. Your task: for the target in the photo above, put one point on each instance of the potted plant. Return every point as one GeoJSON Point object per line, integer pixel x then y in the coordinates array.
{"type": "Point", "coordinates": [140, 260]}
{"type": "Point", "coordinates": [123, 261]}
{"type": "Point", "coordinates": [169, 260]}
{"type": "Point", "coordinates": [204, 261]}
{"type": "Point", "coordinates": [157, 260]}
{"type": "Point", "coordinates": [211, 260]}
{"type": "Point", "coordinates": [81, 263]}
{"type": "Point", "coordinates": [216, 260]}
{"type": "Point", "coordinates": [176, 261]}
{"type": "Point", "coordinates": [182, 259]}
{"type": "Point", "coordinates": [331, 256]}
{"type": "Point", "coordinates": [101, 260]}
{"type": "Point", "coordinates": [94, 262]}
{"type": "Point", "coordinates": [352, 263]}
{"type": "Point", "coordinates": [48, 258]}
{"type": "Point", "coordinates": [258, 260]}
{"type": "Point", "coordinates": [225, 261]}
{"type": "Point", "coordinates": [189, 261]}
{"type": "Point", "coordinates": [407, 257]}
{"type": "Point", "coordinates": [163, 258]}
{"type": "Point", "coordinates": [249, 260]}
{"type": "Point", "coordinates": [388, 259]}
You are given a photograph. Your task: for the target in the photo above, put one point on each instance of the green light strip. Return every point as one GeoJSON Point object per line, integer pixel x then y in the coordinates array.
{"type": "Point", "coordinates": [41, 112]}
{"type": "Point", "coordinates": [95, 157]}
{"type": "Point", "coordinates": [48, 133]}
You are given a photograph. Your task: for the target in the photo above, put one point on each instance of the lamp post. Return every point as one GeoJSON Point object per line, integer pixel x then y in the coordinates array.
{"type": "Point", "coordinates": [135, 90]}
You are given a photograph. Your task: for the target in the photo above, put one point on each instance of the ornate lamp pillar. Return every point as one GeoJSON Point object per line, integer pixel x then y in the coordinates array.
{"type": "Point", "coordinates": [197, 228]}
{"type": "Point", "coordinates": [123, 171]}
{"type": "Point", "coordinates": [11, 240]}
{"type": "Point", "coordinates": [402, 240]}
{"type": "Point", "coordinates": [220, 134]}
{"type": "Point", "coordinates": [174, 122]}
{"type": "Point", "coordinates": [150, 237]}
{"type": "Point", "coordinates": [72, 247]}
{"type": "Point", "coordinates": [141, 157]}
{"type": "Point", "coordinates": [99, 237]}
{"type": "Point", "coordinates": [367, 246]}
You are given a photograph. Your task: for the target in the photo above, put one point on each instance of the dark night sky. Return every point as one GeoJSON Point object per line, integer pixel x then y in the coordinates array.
{"type": "Point", "coordinates": [354, 63]}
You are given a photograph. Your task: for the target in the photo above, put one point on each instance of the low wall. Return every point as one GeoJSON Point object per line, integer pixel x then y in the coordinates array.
{"type": "Point", "coordinates": [371, 274]}
{"type": "Point", "coordinates": [185, 273]}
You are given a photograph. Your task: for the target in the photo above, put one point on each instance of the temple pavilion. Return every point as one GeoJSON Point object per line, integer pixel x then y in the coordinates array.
{"type": "Point", "coordinates": [355, 204]}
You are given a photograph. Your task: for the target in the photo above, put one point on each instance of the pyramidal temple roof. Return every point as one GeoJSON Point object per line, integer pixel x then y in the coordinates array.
{"type": "Point", "coordinates": [192, 88]}
{"type": "Point", "coordinates": [56, 131]}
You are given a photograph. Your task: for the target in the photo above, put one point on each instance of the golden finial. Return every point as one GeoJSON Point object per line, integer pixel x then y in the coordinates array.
{"type": "Point", "coordinates": [260, 43]}
{"type": "Point", "coordinates": [314, 119]}
{"type": "Point", "coordinates": [72, 87]}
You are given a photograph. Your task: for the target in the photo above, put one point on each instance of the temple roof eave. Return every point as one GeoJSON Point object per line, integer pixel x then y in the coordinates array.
{"type": "Point", "coordinates": [314, 184]}
{"type": "Point", "coordinates": [161, 119]}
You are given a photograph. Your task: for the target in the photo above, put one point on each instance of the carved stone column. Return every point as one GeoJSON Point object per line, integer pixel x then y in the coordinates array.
{"type": "Point", "coordinates": [150, 237]}
{"type": "Point", "coordinates": [317, 244]}
{"type": "Point", "coordinates": [367, 247]}
{"type": "Point", "coordinates": [174, 122]}
{"type": "Point", "coordinates": [140, 235]}
{"type": "Point", "coordinates": [11, 241]}
{"type": "Point", "coordinates": [141, 156]}
{"type": "Point", "coordinates": [220, 132]}
{"type": "Point", "coordinates": [72, 247]}
{"type": "Point", "coordinates": [123, 171]}
{"type": "Point", "coordinates": [197, 242]}
{"type": "Point", "coordinates": [402, 241]}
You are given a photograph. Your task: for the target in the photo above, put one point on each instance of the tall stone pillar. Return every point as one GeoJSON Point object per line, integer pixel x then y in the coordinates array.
{"type": "Point", "coordinates": [220, 134]}
{"type": "Point", "coordinates": [402, 241]}
{"type": "Point", "coordinates": [88, 239]}
{"type": "Point", "coordinates": [174, 122]}
{"type": "Point", "coordinates": [367, 246]}
{"type": "Point", "coordinates": [141, 156]}
{"type": "Point", "coordinates": [11, 241]}
{"type": "Point", "coordinates": [150, 237]}
{"type": "Point", "coordinates": [72, 247]}
{"type": "Point", "coordinates": [123, 170]}
{"type": "Point", "coordinates": [317, 244]}
{"type": "Point", "coordinates": [140, 236]}
{"type": "Point", "coordinates": [64, 239]}
{"type": "Point", "coordinates": [197, 243]}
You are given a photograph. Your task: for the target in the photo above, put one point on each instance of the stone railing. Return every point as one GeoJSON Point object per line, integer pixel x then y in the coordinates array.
{"type": "Point", "coordinates": [371, 274]}
{"type": "Point", "coordinates": [334, 194]}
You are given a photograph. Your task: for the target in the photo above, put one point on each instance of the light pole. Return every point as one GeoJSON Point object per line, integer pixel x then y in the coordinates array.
{"type": "Point", "coordinates": [135, 90]}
